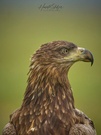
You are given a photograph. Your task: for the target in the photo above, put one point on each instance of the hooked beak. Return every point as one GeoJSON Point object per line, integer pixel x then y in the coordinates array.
{"type": "Point", "coordinates": [80, 54]}
{"type": "Point", "coordinates": [85, 55]}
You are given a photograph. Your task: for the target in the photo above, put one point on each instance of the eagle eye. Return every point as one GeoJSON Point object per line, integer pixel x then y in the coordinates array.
{"type": "Point", "coordinates": [64, 51]}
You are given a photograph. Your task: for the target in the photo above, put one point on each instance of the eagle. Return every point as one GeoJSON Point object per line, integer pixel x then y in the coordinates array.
{"type": "Point", "coordinates": [48, 105]}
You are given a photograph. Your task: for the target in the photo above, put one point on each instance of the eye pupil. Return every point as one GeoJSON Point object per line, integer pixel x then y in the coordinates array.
{"type": "Point", "coordinates": [64, 50]}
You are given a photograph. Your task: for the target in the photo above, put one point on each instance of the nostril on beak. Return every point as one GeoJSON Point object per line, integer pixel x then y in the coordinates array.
{"type": "Point", "coordinates": [82, 50]}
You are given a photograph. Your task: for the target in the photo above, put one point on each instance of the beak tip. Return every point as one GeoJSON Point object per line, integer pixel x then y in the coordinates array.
{"type": "Point", "coordinates": [92, 62]}
{"type": "Point", "coordinates": [92, 59]}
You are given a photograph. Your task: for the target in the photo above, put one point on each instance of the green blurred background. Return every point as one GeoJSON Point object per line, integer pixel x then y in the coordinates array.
{"type": "Point", "coordinates": [23, 28]}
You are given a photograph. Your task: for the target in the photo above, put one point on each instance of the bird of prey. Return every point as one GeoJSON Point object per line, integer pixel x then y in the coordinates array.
{"type": "Point", "coordinates": [48, 104]}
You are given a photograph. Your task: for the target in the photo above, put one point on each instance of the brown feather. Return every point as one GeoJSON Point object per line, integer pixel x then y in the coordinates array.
{"type": "Point", "coordinates": [48, 104]}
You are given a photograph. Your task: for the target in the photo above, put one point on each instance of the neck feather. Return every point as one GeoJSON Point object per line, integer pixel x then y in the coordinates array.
{"type": "Point", "coordinates": [48, 82]}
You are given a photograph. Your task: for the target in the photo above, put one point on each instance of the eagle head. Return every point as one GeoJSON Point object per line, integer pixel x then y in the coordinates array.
{"type": "Point", "coordinates": [62, 53]}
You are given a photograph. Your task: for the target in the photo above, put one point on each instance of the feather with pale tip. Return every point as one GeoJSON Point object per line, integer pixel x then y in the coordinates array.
{"type": "Point", "coordinates": [48, 105]}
